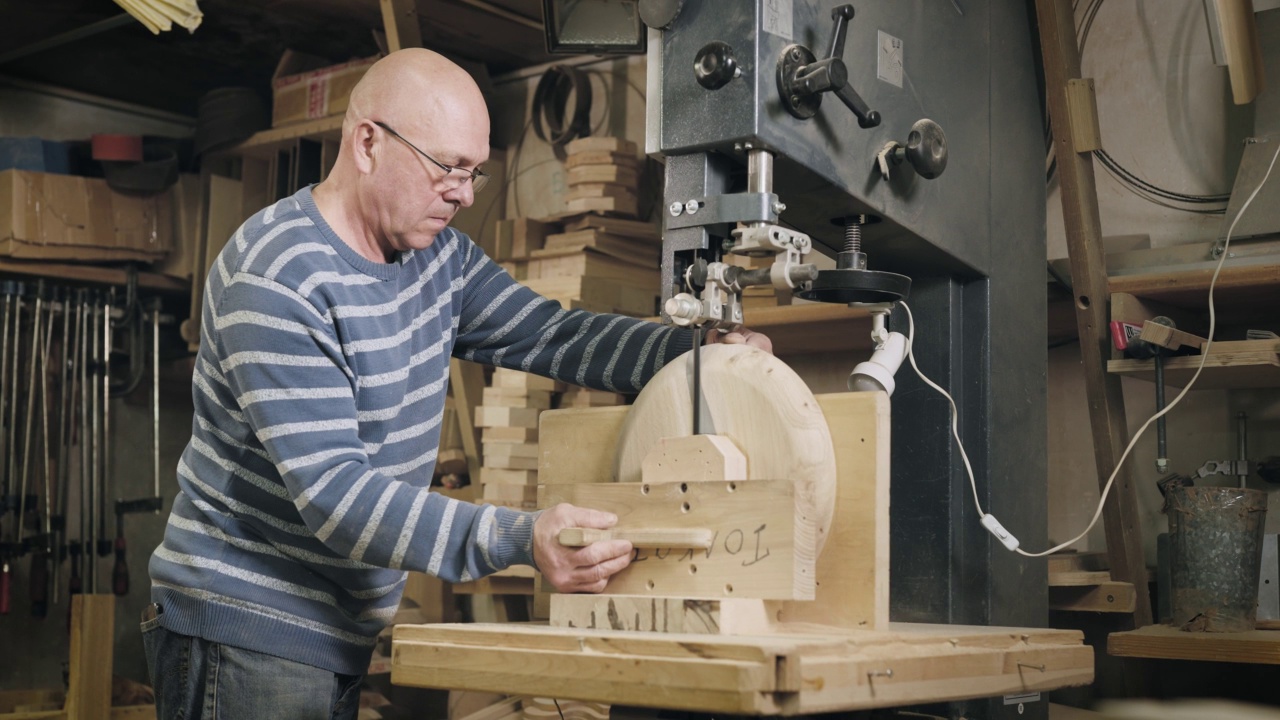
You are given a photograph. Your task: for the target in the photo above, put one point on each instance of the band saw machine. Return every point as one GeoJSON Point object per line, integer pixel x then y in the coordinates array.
{"type": "Point", "coordinates": [796, 553]}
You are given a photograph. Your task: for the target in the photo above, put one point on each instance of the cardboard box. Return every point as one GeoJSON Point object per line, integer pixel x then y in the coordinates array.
{"type": "Point", "coordinates": [69, 218]}
{"type": "Point", "coordinates": [316, 93]}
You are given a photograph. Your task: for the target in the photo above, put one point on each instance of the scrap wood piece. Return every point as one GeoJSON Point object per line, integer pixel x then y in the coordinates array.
{"type": "Point", "coordinates": [1168, 337]}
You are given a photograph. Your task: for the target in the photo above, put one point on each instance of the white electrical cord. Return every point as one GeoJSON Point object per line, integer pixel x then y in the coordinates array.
{"type": "Point", "coordinates": [989, 521]}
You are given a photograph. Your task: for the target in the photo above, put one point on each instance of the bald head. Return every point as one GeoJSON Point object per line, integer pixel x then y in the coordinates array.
{"type": "Point", "coordinates": [415, 124]}
{"type": "Point", "coordinates": [415, 88]}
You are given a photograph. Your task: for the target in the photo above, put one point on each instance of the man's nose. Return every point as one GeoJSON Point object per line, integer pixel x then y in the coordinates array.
{"type": "Point", "coordinates": [464, 194]}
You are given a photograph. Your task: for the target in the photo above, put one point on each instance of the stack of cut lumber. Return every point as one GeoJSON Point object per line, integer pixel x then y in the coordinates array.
{"type": "Point", "coordinates": [509, 418]}
{"type": "Point", "coordinates": [580, 397]}
{"type": "Point", "coordinates": [603, 176]}
{"type": "Point", "coordinates": [600, 264]}
{"type": "Point", "coordinates": [450, 458]}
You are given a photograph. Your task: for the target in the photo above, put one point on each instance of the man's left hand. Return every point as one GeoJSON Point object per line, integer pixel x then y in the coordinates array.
{"type": "Point", "coordinates": [741, 336]}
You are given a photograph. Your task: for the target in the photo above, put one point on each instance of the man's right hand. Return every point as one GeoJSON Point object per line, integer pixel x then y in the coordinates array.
{"type": "Point", "coordinates": [585, 569]}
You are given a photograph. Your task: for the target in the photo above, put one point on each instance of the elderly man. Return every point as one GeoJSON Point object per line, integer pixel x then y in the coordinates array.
{"type": "Point", "coordinates": [328, 325]}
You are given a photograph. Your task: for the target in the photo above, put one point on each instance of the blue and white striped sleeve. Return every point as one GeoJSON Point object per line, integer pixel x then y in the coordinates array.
{"type": "Point", "coordinates": [282, 362]}
{"type": "Point", "coordinates": [506, 324]}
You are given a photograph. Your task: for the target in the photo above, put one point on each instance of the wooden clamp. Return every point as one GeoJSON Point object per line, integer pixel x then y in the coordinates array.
{"type": "Point", "coordinates": [678, 538]}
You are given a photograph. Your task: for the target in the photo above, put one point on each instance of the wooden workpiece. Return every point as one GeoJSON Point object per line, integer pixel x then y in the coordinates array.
{"type": "Point", "coordinates": [713, 653]}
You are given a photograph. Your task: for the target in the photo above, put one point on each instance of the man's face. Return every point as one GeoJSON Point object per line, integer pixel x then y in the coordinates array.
{"type": "Point", "coordinates": [420, 197]}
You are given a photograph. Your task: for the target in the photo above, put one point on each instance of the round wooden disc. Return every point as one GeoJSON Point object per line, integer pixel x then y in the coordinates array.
{"type": "Point", "coordinates": [757, 401]}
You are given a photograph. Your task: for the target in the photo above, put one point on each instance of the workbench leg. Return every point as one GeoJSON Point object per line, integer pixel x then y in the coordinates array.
{"type": "Point", "coordinates": [92, 645]}
{"type": "Point", "coordinates": [1089, 277]}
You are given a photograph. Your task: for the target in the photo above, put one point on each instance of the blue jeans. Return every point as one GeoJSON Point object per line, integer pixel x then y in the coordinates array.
{"type": "Point", "coordinates": [194, 678]}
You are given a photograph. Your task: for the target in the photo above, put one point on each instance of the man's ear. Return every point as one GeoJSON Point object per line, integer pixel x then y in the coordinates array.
{"type": "Point", "coordinates": [362, 146]}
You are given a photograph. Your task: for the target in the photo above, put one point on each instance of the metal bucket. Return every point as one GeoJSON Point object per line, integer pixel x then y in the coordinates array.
{"type": "Point", "coordinates": [1215, 534]}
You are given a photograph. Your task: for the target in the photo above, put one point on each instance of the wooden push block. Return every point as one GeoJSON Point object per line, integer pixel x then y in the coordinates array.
{"type": "Point", "coordinates": [660, 614]}
{"type": "Point", "coordinates": [695, 458]}
{"type": "Point", "coordinates": [761, 546]}
{"type": "Point", "coordinates": [660, 538]}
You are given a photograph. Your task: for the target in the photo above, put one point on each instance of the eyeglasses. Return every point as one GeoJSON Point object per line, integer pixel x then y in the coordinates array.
{"type": "Point", "coordinates": [454, 176]}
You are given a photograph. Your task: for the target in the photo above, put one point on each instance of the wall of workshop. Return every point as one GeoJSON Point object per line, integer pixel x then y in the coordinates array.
{"type": "Point", "coordinates": [35, 651]}
{"type": "Point", "coordinates": [1166, 114]}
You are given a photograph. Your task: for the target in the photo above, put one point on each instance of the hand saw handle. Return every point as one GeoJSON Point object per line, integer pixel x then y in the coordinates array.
{"type": "Point", "coordinates": [682, 538]}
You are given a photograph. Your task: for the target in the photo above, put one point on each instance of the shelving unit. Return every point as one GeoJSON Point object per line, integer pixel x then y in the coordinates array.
{"type": "Point", "coordinates": [1229, 365]}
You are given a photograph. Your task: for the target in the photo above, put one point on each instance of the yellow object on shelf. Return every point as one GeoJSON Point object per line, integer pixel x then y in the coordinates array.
{"type": "Point", "coordinates": [160, 15]}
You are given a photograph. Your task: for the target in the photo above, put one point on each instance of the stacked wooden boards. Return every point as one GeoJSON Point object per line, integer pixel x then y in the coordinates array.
{"type": "Point", "coordinates": [585, 262]}
{"type": "Point", "coordinates": [603, 176]}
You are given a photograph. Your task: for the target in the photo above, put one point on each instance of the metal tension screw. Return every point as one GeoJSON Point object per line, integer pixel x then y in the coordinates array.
{"type": "Point", "coordinates": [779, 207]}
{"type": "Point", "coordinates": [692, 206]}
{"type": "Point", "coordinates": [676, 208]}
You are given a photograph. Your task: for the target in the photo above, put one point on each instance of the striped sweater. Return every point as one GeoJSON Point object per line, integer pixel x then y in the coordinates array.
{"type": "Point", "coordinates": [319, 390]}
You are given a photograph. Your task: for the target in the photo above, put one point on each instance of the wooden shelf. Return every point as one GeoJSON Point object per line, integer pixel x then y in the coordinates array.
{"type": "Point", "coordinates": [1165, 642]}
{"type": "Point", "coordinates": [1256, 285]}
{"type": "Point", "coordinates": [265, 143]}
{"type": "Point", "coordinates": [1089, 591]}
{"type": "Point", "coordinates": [1240, 364]}
{"type": "Point", "coordinates": [93, 274]}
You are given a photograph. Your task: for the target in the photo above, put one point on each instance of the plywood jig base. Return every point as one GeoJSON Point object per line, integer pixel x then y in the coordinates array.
{"type": "Point", "coordinates": [798, 671]}
{"type": "Point", "coordinates": [715, 639]}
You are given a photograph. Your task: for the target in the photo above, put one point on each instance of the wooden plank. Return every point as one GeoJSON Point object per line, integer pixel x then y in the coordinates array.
{"type": "Point", "coordinates": [619, 174]}
{"type": "Point", "coordinates": [508, 434]}
{"type": "Point", "coordinates": [1228, 365]}
{"type": "Point", "coordinates": [92, 649]}
{"type": "Point", "coordinates": [601, 144]}
{"type": "Point", "coordinates": [676, 538]}
{"type": "Point", "coordinates": [1188, 288]}
{"type": "Point", "coordinates": [1163, 641]}
{"type": "Point", "coordinates": [1083, 106]}
{"type": "Point", "coordinates": [400, 21]}
{"type": "Point", "coordinates": [626, 205]}
{"type": "Point", "coordinates": [495, 416]}
{"type": "Point", "coordinates": [1104, 597]}
{"type": "Point", "coordinates": [589, 263]}
{"type": "Point", "coordinates": [617, 226]}
{"type": "Point", "coordinates": [853, 569]}
{"type": "Point", "coordinates": [788, 674]}
{"type": "Point", "coordinates": [579, 159]}
{"type": "Point", "coordinates": [507, 378]}
{"type": "Point", "coordinates": [516, 398]}
{"type": "Point", "coordinates": [811, 328]}
{"type": "Point", "coordinates": [509, 477]}
{"type": "Point", "coordinates": [1122, 521]}
{"type": "Point", "coordinates": [1168, 337]}
{"type": "Point", "coordinates": [1242, 49]}
{"type": "Point", "coordinates": [763, 548]}
{"type": "Point", "coordinates": [466, 382]}
{"type": "Point", "coordinates": [94, 274]}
